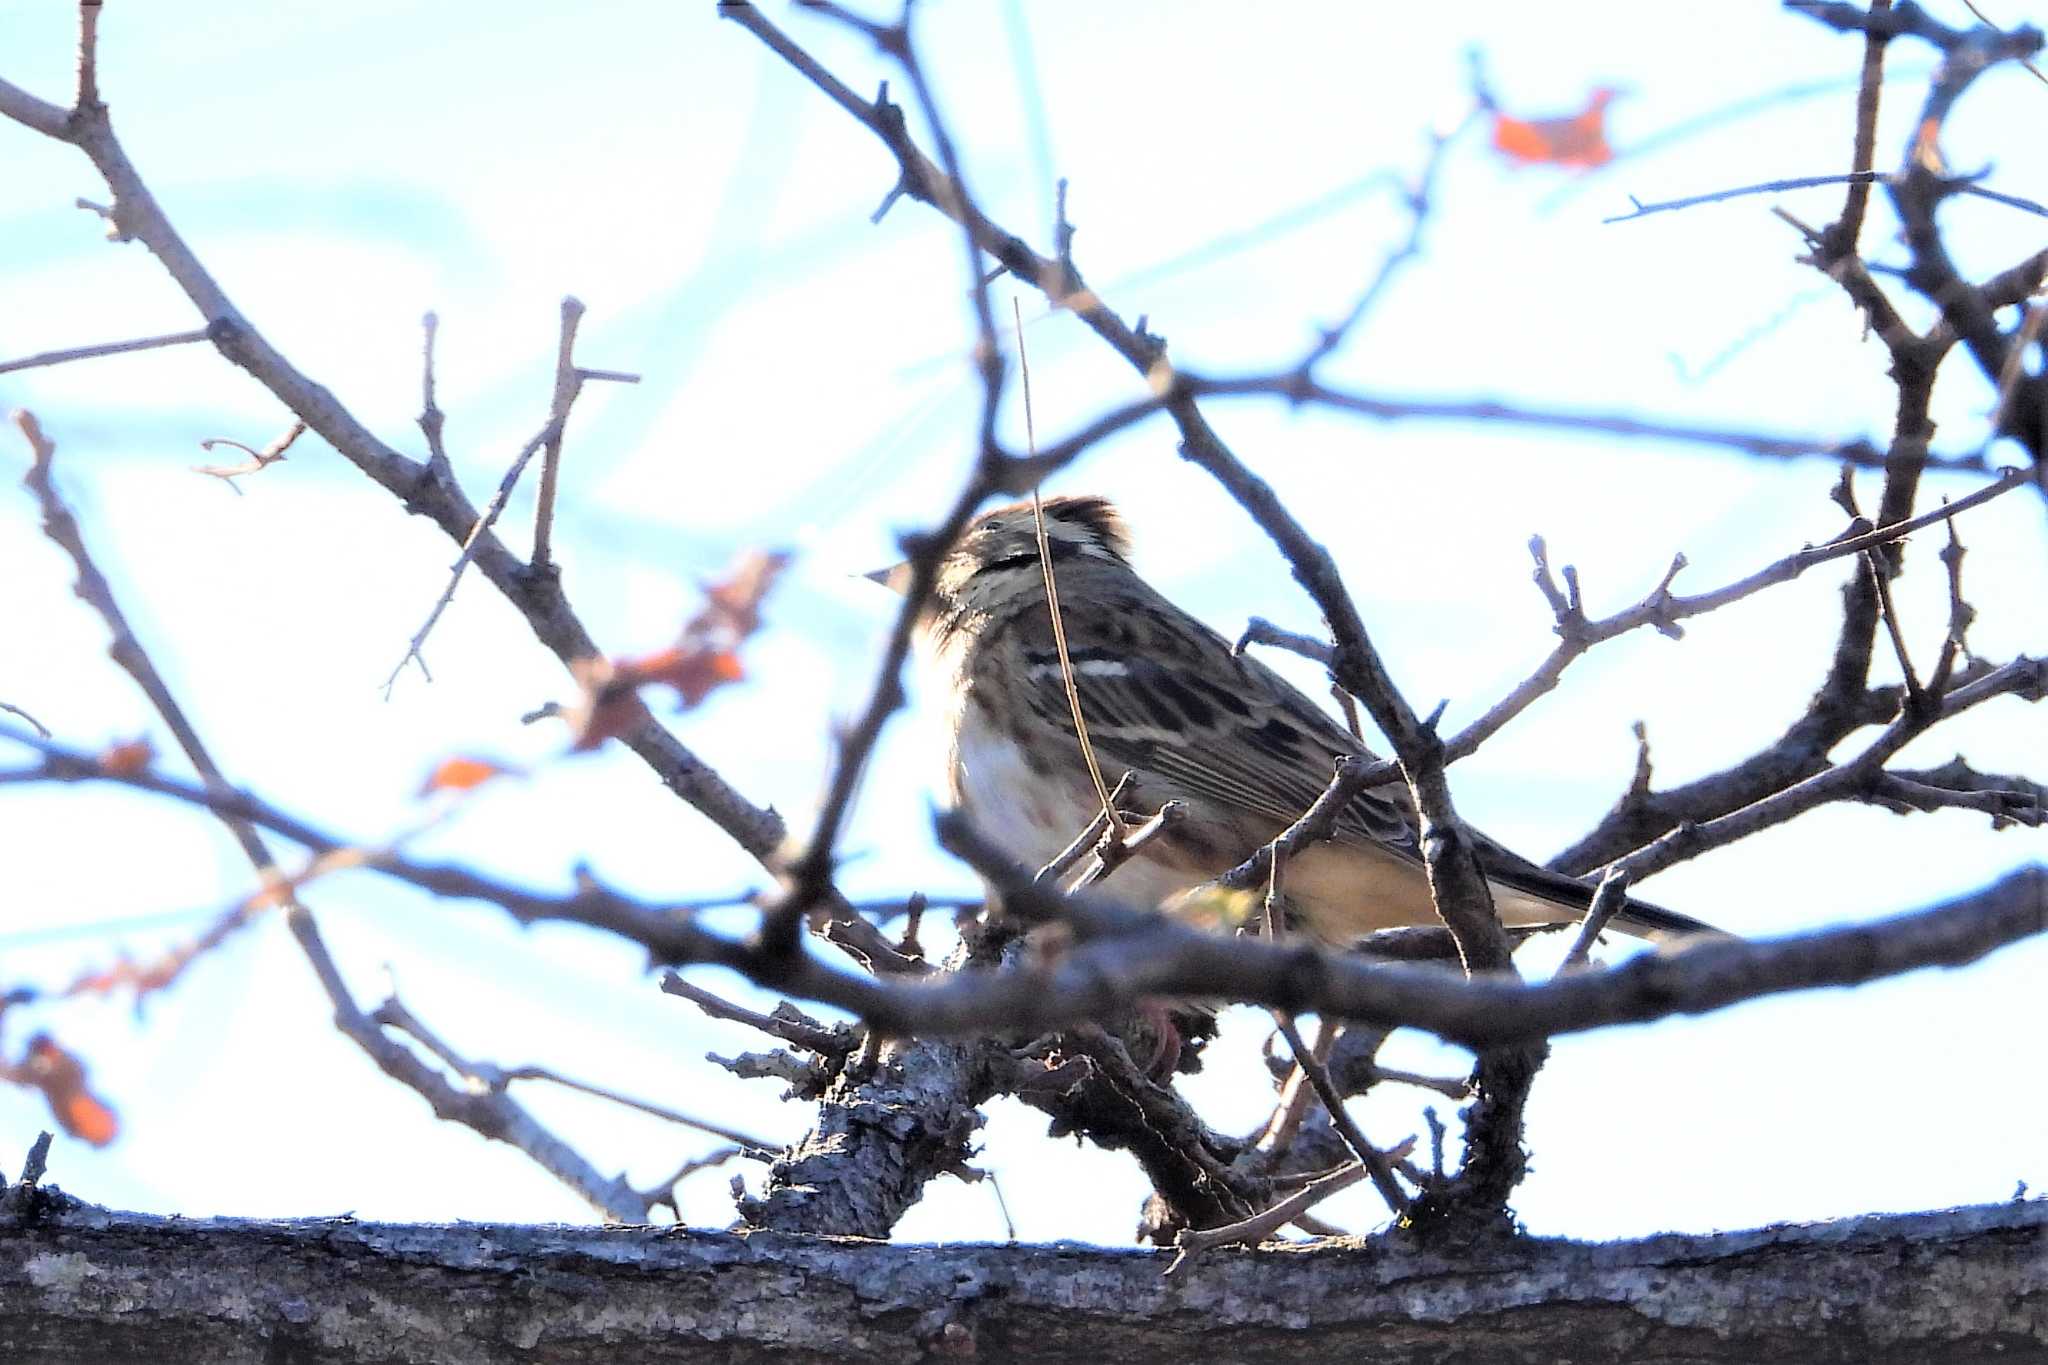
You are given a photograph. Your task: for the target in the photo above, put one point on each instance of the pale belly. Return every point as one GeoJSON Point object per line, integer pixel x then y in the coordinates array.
{"type": "Point", "coordinates": [1031, 817]}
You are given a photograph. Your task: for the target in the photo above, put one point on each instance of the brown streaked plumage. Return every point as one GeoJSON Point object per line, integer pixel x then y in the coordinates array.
{"type": "Point", "coordinates": [1166, 700]}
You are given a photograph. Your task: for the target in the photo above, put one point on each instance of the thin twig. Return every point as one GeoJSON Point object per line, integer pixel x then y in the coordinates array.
{"type": "Point", "coordinates": [258, 459]}
{"type": "Point", "coordinates": [1257, 1228]}
{"type": "Point", "coordinates": [1259, 631]}
{"type": "Point", "coordinates": [432, 419]}
{"type": "Point", "coordinates": [1863, 149]}
{"type": "Point", "coordinates": [1090, 835]}
{"type": "Point", "coordinates": [1855, 179]}
{"type": "Point", "coordinates": [483, 524]}
{"type": "Point", "coordinates": [568, 383]}
{"type": "Point", "coordinates": [42, 358]}
{"type": "Point", "coordinates": [12, 709]}
{"type": "Point", "coordinates": [664, 1191]}
{"type": "Point", "coordinates": [393, 1014]}
{"type": "Point", "coordinates": [1663, 609]}
{"type": "Point", "coordinates": [718, 1130]}
{"type": "Point", "coordinates": [1374, 1160]}
{"type": "Point", "coordinates": [1954, 644]}
{"type": "Point", "coordinates": [1417, 199]}
{"type": "Point", "coordinates": [1292, 1105]}
{"type": "Point", "coordinates": [1351, 776]}
{"type": "Point", "coordinates": [1888, 613]}
{"type": "Point", "coordinates": [785, 1023]}
{"type": "Point", "coordinates": [1110, 852]}
{"type": "Point", "coordinates": [1608, 898]}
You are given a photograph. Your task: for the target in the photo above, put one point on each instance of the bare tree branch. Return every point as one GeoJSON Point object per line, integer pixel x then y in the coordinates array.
{"type": "Point", "coordinates": [41, 358]}
{"type": "Point", "coordinates": [494, 1116]}
{"type": "Point", "coordinates": [425, 489]}
{"type": "Point", "coordinates": [1123, 956]}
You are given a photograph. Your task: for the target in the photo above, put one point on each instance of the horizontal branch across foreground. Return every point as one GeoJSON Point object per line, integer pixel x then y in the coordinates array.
{"type": "Point", "coordinates": [1123, 956]}
{"type": "Point", "coordinates": [83, 1284]}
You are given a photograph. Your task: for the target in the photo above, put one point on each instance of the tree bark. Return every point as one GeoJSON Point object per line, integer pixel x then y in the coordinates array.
{"type": "Point", "coordinates": [78, 1283]}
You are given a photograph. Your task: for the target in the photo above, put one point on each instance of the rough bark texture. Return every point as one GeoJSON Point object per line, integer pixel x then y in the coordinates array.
{"type": "Point", "coordinates": [883, 1132]}
{"type": "Point", "coordinates": [82, 1284]}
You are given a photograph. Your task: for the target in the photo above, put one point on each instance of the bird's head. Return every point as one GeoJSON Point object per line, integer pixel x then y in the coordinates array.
{"type": "Point", "coordinates": [996, 557]}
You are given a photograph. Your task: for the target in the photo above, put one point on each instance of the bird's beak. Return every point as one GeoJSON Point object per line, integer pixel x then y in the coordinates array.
{"type": "Point", "coordinates": [896, 577]}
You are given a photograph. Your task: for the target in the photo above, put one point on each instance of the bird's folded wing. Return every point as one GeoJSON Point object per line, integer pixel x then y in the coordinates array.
{"type": "Point", "coordinates": [1248, 742]}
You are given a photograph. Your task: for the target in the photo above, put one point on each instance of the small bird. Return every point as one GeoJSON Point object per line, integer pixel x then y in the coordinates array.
{"type": "Point", "coordinates": [1168, 701]}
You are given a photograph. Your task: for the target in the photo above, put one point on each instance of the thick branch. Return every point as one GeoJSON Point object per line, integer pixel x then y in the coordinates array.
{"type": "Point", "coordinates": [88, 1287]}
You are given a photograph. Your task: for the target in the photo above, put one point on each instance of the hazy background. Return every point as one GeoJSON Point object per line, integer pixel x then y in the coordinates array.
{"type": "Point", "coordinates": [344, 169]}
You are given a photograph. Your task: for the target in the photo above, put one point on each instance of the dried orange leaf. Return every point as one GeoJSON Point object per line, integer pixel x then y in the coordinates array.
{"type": "Point", "coordinates": [61, 1078]}
{"type": "Point", "coordinates": [610, 707]}
{"type": "Point", "coordinates": [127, 758]}
{"type": "Point", "coordinates": [704, 657]}
{"type": "Point", "coordinates": [1575, 140]}
{"type": "Point", "coordinates": [462, 774]}
{"type": "Point", "coordinates": [85, 1115]}
{"type": "Point", "coordinates": [734, 602]}
{"type": "Point", "coordinates": [693, 673]}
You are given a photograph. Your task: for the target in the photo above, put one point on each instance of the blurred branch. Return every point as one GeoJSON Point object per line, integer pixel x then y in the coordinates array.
{"type": "Point", "coordinates": [42, 358]}
{"type": "Point", "coordinates": [1296, 391]}
{"type": "Point", "coordinates": [393, 1014]}
{"type": "Point", "coordinates": [1419, 199]}
{"type": "Point", "coordinates": [1807, 182]}
{"type": "Point", "coordinates": [2008, 798]}
{"type": "Point", "coordinates": [1122, 956]}
{"type": "Point", "coordinates": [11, 709]}
{"type": "Point", "coordinates": [493, 1116]}
{"type": "Point", "coordinates": [425, 489]}
{"type": "Point", "coordinates": [786, 1022]}
{"type": "Point", "coordinates": [1061, 282]}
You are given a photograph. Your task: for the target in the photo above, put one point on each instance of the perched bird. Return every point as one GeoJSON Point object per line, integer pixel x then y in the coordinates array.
{"type": "Point", "coordinates": [1166, 700]}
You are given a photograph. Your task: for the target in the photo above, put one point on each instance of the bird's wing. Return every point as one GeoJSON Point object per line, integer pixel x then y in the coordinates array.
{"type": "Point", "coordinates": [1164, 697]}
{"type": "Point", "coordinates": [1176, 707]}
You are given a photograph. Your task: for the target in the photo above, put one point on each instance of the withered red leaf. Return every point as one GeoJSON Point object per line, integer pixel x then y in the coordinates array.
{"type": "Point", "coordinates": [127, 758]}
{"type": "Point", "coordinates": [461, 774]}
{"type": "Point", "coordinates": [1574, 140]}
{"type": "Point", "coordinates": [61, 1078]}
{"type": "Point", "coordinates": [704, 657]}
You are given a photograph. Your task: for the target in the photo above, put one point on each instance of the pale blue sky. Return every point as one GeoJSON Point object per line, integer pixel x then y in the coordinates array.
{"type": "Point", "coordinates": [343, 171]}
